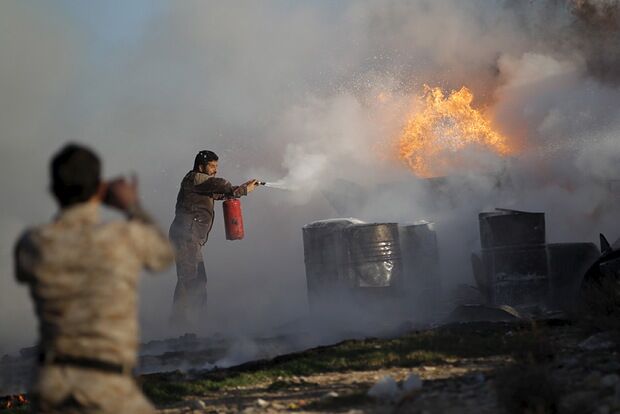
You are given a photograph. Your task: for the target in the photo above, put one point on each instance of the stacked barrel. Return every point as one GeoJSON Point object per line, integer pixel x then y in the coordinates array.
{"type": "Point", "coordinates": [422, 282]}
{"type": "Point", "coordinates": [326, 257]}
{"type": "Point", "coordinates": [517, 267]}
{"type": "Point", "coordinates": [514, 257]}
{"type": "Point", "coordinates": [352, 262]}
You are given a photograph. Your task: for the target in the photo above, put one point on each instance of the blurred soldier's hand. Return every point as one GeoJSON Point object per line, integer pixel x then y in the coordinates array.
{"type": "Point", "coordinates": [122, 193]}
{"type": "Point", "coordinates": [251, 185]}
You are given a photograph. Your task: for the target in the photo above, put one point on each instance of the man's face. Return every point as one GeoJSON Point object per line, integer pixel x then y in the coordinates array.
{"type": "Point", "coordinates": [211, 168]}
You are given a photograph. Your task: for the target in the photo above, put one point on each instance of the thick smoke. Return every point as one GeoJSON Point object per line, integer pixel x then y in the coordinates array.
{"type": "Point", "coordinates": [597, 33]}
{"type": "Point", "coordinates": [315, 95]}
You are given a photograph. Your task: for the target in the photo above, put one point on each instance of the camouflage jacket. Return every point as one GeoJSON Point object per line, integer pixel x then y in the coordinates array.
{"type": "Point", "coordinates": [194, 212]}
{"type": "Point", "coordinates": [83, 277]}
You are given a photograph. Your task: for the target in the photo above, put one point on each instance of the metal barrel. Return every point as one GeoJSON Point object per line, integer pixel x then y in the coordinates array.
{"type": "Point", "coordinates": [568, 262]}
{"type": "Point", "coordinates": [326, 257]}
{"type": "Point", "coordinates": [512, 267]}
{"type": "Point", "coordinates": [418, 245]}
{"type": "Point", "coordinates": [374, 256]}
{"type": "Point", "coordinates": [511, 228]}
{"type": "Point", "coordinates": [420, 257]}
{"type": "Point", "coordinates": [516, 275]}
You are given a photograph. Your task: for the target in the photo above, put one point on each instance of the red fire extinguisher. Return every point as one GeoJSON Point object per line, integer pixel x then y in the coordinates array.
{"type": "Point", "coordinates": [233, 219]}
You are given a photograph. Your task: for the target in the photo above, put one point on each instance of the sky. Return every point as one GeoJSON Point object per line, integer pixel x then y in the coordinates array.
{"type": "Point", "coordinates": [287, 90]}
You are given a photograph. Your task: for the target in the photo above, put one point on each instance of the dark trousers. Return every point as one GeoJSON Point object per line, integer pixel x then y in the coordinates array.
{"type": "Point", "coordinates": [190, 294]}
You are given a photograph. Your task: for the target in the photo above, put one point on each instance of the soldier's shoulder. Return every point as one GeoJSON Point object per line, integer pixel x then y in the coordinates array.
{"type": "Point", "coordinates": [116, 227]}
{"type": "Point", "coordinates": [126, 228]}
{"type": "Point", "coordinates": [35, 237]}
{"type": "Point", "coordinates": [28, 238]}
{"type": "Point", "coordinates": [34, 231]}
{"type": "Point", "coordinates": [118, 233]}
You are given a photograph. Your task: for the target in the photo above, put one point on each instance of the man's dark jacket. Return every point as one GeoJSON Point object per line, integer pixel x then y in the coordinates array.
{"type": "Point", "coordinates": [194, 209]}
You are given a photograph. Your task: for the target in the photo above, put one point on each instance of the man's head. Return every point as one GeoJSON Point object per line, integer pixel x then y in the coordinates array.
{"type": "Point", "coordinates": [206, 162]}
{"type": "Point", "coordinates": [76, 175]}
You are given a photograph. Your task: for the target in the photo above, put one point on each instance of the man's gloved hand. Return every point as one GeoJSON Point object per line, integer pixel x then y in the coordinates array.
{"type": "Point", "coordinates": [251, 185]}
{"type": "Point", "coordinates": [122, 194]}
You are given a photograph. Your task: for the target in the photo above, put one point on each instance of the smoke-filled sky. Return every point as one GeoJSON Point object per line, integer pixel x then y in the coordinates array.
{"type": "Point", "coordinates": [288, 90]}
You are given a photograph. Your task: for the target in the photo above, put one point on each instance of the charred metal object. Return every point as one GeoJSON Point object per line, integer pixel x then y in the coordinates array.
{"type": "Point", "coordinates": [504, 227]}
{"type": "Point", "coordinates": [480, 313]}
{"type": "Point", "coordinates": [516, 275]}
{"type": "Point", "coordinates": [511, 269]}
{"type": "Point", "coordinates": [516, 267]}
{"type": "Point", "coordinates": [607, 265]}
{"type": "Point", "coordinates": [599, 293]}
{"type": "Point", "coordinates": [568, 262]}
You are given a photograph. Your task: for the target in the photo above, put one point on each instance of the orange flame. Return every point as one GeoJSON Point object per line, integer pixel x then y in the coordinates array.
{"type": "Point", "coordinates": [446, 125]}
{"type": "Point", "coordinates": [12, 401]}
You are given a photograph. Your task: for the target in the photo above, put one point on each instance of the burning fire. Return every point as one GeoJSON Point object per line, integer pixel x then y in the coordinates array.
{"type": "Point", "coordinates": [432, 138]}
{"type": "Point", "coordinates": [13, 401]}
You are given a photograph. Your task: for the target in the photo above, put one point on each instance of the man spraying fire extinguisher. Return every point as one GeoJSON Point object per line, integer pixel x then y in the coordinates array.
{"type": "Point", "coordinates": [194, 214]}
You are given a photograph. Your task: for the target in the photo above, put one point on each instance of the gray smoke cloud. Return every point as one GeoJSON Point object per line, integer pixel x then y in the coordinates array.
{"type": "Point", "coordinates": [597, 35]}
{"type": "Point", "coordinates": [313, 94]}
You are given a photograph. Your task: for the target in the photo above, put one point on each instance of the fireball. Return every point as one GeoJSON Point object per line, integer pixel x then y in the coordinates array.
{"type": "Point", "coordinates": [435, 138]}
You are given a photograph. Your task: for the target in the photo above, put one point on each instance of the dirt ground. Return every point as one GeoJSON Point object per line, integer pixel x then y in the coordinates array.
{"type": "Point", "coordinates": [554, 368]}
{"type": "Point", "coordinates": [550, 366]}
{"type": "Point", "coordinates": [346, 392]}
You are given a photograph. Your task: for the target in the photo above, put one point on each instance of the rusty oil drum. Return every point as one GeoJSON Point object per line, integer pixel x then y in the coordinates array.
{"type": "Point", "coordinates": [512, 267]}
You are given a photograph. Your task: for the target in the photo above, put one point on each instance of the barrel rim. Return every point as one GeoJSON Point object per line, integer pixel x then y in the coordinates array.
{"type": "Point", "coordinates": [365, 224]}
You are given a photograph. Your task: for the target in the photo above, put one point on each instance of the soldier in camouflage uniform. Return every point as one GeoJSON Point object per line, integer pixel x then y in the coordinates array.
{"type": "Point", "coordinates": [83, 277]}
{"type": "Point", "coordinates": [190, 230]}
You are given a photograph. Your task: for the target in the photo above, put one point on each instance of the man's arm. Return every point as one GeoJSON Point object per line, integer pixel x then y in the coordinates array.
{"type": "Point", "coordinates": [219, 188]}
{"type": "Point", "coordinates": [25, 254]}
{"type": "Point", "coordinates": [152, 246]}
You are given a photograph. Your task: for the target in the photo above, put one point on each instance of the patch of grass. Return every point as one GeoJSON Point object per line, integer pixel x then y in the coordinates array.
{"type": "Point", "coordinates": [161, 390]}
{"type": "Point", "coordinates": [414, 349]}
{"type": "Point", "coordinates": [280, 384]}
